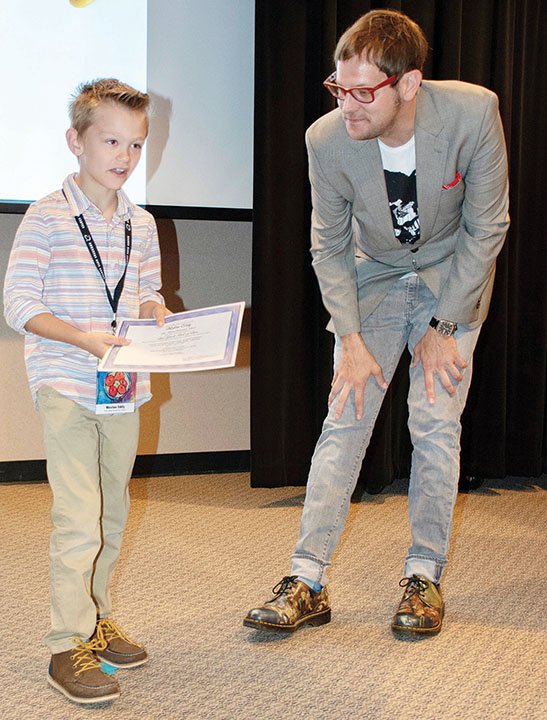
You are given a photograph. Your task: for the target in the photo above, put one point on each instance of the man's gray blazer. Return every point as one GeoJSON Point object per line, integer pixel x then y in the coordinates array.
{"type": "Point", "coordinates": [463, 222]}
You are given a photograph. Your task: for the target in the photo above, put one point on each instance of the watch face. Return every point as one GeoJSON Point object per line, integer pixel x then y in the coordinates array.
{"type": "Point", "coordinates": [445, 327]}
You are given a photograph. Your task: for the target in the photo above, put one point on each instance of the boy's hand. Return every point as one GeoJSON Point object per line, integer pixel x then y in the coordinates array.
{"type": "Point", "coordinates": [97, 343]}
{"type": "Point", "coordinates": [159, 313]}
{"type": "Point", "coordinates": [48, 326]}
{"type": "Point", "coordinates": [154, 311]}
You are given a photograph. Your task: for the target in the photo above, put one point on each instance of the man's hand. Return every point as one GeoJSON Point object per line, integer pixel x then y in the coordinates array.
{"type": "Point", "coordinates": [154, 311]}
{"type": "Point", "coordinates": [356, 366]}
{"type": "Point", "coordinates": [439, 356]}
{"type": "Point", "coordinates": [97, 343]}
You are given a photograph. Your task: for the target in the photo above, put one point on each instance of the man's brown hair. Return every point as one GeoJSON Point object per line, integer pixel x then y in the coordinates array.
{"type": "Point", "coordinates": [89, 96]}
{"type": "Point", "coordinates": [386, 38]}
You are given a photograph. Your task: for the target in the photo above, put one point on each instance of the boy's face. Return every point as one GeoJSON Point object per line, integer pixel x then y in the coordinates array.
{"type": "Point", "coordinates": [110, 148]}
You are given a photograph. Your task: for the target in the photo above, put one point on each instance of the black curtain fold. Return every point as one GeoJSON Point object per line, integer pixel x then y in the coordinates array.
{"type": "Point", "coordinates": [494, 43]}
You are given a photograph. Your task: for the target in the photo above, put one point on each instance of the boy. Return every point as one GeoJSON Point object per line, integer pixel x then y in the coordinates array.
{"type": "Point", "coordinates": [82, 256]}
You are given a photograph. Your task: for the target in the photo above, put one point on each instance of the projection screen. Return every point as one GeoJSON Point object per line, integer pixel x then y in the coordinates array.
{"type": "Point", "coordinates": [194, 57]}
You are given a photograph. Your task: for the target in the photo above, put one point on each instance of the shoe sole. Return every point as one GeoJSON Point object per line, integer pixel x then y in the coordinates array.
{"type": "Point", "coordinates": [405, 630]}
{"type": "Point", "coordinates": [321, 618]}
{"type": "Point", "coordinates": [121, 666]}
{"type": "Point", "coordinates": [80, 700]}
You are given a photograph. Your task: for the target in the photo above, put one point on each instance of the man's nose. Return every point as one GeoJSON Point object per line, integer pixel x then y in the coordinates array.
{"type": "Point", "coordinates": [349, 103]}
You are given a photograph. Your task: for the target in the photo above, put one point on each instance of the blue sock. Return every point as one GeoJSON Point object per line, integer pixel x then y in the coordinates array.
{"type": "Point", "coordinates": [108, 669]}
{"type": "Point", "coordinates": [315, 586]}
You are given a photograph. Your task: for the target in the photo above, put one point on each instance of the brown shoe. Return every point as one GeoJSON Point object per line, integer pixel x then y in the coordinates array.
{"type": "Point", "coordinates": [77, 674]}
{"type": "Point", "coordinates": [422, 608]}
{"type": "Point", "coordinates": [294, 604]}
{"type": "Point", "coordinates": [119, 650]}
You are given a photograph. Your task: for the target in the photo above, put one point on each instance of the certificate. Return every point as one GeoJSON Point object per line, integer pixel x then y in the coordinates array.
{"type": "Point", "coordinates": [205, 339]}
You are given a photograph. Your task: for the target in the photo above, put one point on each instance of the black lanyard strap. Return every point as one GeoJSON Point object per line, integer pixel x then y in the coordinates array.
{"type": "Point", "coordinates": [95, 256]}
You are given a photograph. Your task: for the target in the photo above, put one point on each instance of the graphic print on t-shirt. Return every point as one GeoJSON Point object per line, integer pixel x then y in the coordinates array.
{"type": "Point", "coordinates": [403, 203]}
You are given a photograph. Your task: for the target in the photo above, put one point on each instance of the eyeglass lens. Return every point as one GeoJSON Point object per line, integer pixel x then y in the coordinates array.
{"type": "Point", "coordinates": [360, 94]}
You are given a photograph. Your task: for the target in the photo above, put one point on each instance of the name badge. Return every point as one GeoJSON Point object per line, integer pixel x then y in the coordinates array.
{"type": "Point", "coordinates": [115, 392]}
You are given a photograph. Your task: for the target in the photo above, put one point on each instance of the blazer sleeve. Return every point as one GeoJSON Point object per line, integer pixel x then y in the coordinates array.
{"type": "Point", "coordinates": [484, 222]}
{"type": "Point", "coordinates": [332, 250]}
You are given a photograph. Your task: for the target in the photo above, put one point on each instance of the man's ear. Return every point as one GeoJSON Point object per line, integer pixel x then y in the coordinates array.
{"type": "Point", "coordinates": [410, 84]}
{"type": "Point", "coordinates": [73, 142]}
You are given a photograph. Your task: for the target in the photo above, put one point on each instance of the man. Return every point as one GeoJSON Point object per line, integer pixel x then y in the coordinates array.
{"type": "Point", "coordinates": [409, 193]}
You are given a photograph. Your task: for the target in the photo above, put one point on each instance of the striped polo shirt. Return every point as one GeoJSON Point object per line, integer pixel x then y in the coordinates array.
{"type": "Point", "coordinates": [50, 270]}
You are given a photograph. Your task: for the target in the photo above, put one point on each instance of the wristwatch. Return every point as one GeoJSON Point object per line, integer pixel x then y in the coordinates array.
{"type": "Point", "coordinates": [443, 327]}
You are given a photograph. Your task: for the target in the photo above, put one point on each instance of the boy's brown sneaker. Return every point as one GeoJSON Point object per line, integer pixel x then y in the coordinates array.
{"type": "Point", "coordinates": [119, 650]}
{"type": "Point", "coordinates": [294, 604]}
{"type": "Point", "coordinates": [77, 674]}
{"type": "Point", "coordinates": [421, 609]}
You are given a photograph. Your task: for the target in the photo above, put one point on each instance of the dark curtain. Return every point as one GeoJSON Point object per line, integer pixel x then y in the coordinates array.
{"type": "Point", "coordinates": [495, 43]}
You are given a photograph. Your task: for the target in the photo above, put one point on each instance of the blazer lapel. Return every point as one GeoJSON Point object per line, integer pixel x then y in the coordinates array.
{"type": "Point", "coordinates": [431, 156]}
{"type": "Point", "coordinates": [369, 181]}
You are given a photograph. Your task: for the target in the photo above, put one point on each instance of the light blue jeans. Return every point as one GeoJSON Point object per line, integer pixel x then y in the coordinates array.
{"type": "Point", "coordinates": [401, 319]}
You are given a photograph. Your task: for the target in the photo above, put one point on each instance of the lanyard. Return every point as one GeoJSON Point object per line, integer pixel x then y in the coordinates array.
{"type": "Point", "coordinates": [93, 251]}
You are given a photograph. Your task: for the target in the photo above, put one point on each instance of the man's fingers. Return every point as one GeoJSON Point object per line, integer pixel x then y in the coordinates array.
{"type": "Point", "coordinates": [342, 400]}
{"type": "Point", "coordinates": [429, 380]}
{"type": "Point", "coordinates": [449, 379]}
{"type": "Point", "coordinates": [343, 392]}
{"type": "Point", "coordinates": [351, 376]}
{"type": "Point", "coordinates": [439, 357]}
{"type": "Point", "coordinates": [380, 379]}
{"type": "Point", "coordinates": [359, 401]}
{"type": "Point", "coordinates": [336, 386]}
{"type": "Point", "coordinates": [416, 357]}
{"type": "Point", "coordinates": [446, 382]}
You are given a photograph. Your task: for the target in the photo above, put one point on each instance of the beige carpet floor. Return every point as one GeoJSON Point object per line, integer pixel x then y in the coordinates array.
{"type": "Point", "coordinates": [200, 550]}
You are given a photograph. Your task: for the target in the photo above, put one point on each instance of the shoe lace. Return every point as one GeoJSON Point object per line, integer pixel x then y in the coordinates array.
{"type": "Point", "coordinates": [284, 585]}
{"type": "Point", "coordinates": [414, 585]}
{"type": "Point", "coordinates": [107, 630]}
{"type": "Point", "coordinates": [83, 654]}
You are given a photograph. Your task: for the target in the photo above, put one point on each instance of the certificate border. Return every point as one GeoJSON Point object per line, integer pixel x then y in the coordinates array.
{"type": "Point", "coordinates": [236, 311]}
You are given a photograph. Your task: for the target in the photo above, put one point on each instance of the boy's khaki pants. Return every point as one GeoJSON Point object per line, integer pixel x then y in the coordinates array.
{"type": "Point", "coordinates": [89, 462]}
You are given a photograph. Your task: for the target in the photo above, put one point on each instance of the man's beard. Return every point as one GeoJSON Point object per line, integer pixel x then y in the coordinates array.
{"type": "Point", "coordinates": [371, 129]}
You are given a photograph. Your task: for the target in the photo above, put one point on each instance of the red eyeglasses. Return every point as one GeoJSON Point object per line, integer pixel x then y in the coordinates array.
{"type": "Point", "coordinates": [360, 93]}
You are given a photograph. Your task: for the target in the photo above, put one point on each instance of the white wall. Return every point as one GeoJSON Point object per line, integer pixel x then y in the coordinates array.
{"type": "Point", "coordinates": [204, 263]}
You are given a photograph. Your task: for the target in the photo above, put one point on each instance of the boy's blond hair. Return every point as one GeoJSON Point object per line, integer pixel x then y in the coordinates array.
{"type": "Point", "coordinates": [90, 95]}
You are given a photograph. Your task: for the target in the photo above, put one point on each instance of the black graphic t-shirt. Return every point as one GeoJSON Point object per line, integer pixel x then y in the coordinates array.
{"type": "Point", "coordinates": [400, 174]}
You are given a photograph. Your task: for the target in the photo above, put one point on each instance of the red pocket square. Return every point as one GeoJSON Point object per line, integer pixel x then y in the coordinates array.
{"type": "Point", "coordinates": [454, 182]}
